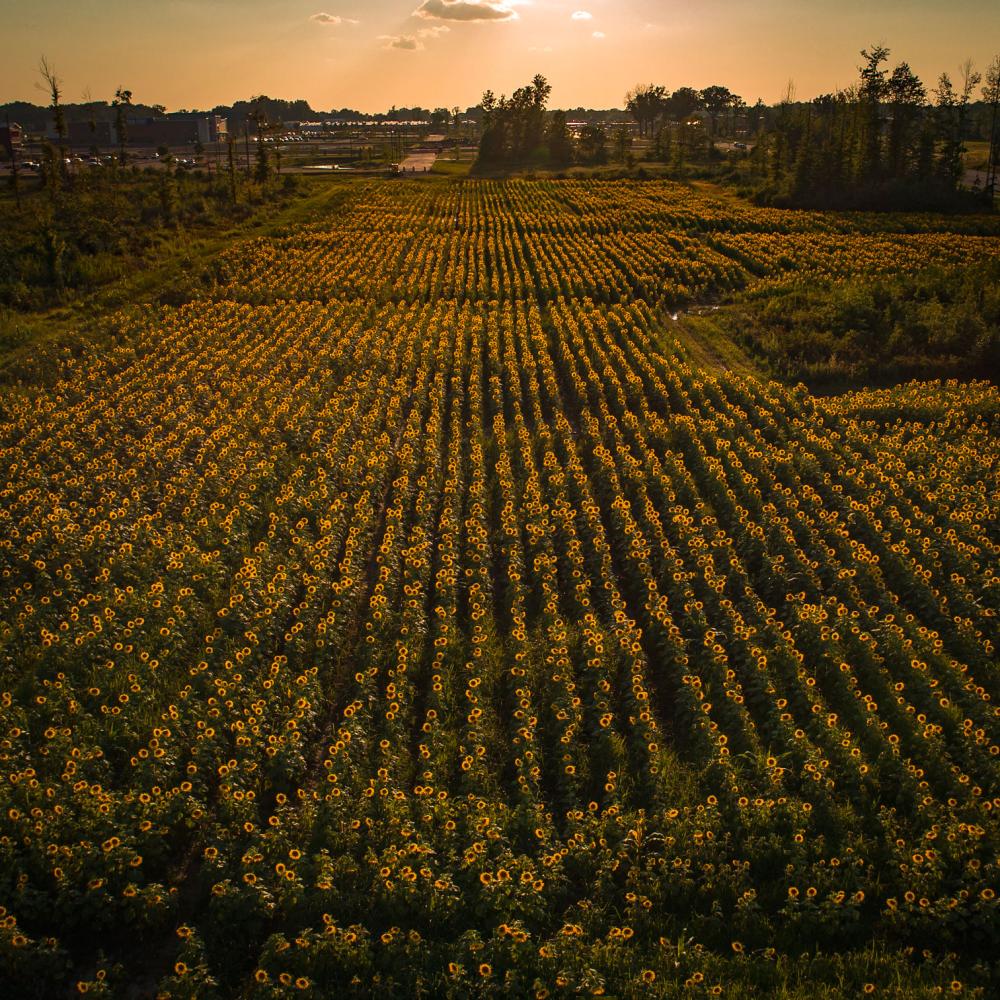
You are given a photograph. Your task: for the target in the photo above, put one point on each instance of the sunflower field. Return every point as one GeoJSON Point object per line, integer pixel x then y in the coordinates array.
{"type": "Point", "coordinates": [418, 614]}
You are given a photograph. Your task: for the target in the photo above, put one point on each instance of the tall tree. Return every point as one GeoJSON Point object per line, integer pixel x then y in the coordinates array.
{"type": "Point", "coordinates": [513, 129]}
{"type": "Point", "coordinates": [535, 98]}
{"type": "Point", "coordinates": [54, 84]}
{"type": "Point", "coordinates": [645, 103]}
{"type": "Point", "coordinates": [991, 95]}
{"type": "Point", "coordinates": [717, 100]}
{"type": "Point", "coordinates": [738, 113]}
{"type": "Point", "coordinates": [783, 146]}
{"type": "Point", "coordinates": [623, 143]}
{"type": "Point", "coordinates": [872, 91]}
{"type": "Point", "coordinates": [262, 127]}
{"type": "Point", "coordinates": [906, 96]}
{"type": "Point", "coordinates": [559, 143]}
{"type": "Point", "coordinates": [493, 141]}
{"type": "Point", "coordinates": [121, 104]}
{"type": "Point", "coordinates": [952, 111]}
{"type": "Point", "coordinates": [51, 80]}
{"type": "Point", "coordinates": [593, 144]}
{"type": "Point", "coordinates": [805, 151]}
{"type": "Point", "coordinates": [665, 143]}
{"type": "Point", "coordinates": [946, 102]}
{"type": "Point", "coordinates": [95, 149]}
{"type": "Point", "coordinates": [682, 104]}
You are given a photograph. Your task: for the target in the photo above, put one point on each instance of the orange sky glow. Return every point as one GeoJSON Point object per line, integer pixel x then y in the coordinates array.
{"type": "Point", "coordinates": [373, 54]}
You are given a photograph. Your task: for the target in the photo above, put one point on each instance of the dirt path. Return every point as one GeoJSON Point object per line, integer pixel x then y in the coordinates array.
{"type": "Point", "coordinates": [706, 343]}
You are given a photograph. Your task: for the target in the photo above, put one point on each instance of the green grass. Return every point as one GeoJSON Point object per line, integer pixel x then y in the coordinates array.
{"type": "Point", "coordinates": [976, 155]}
{"type": "Point", "coordinates": [941, 322]}
{"type": "Point", "coordinates": [169, 271]}
{"type": "Point", "coordinates": [451, 168]}
{"type": "Point", "coordinates": [710, 346]}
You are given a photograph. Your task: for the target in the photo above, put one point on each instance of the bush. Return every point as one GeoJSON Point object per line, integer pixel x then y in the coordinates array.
{"type": "Point", "coordinates": [942, 322]}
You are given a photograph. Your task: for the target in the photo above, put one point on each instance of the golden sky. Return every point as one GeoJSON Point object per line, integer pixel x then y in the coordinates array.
{"type": "Point", "coordinates": [372, 54]}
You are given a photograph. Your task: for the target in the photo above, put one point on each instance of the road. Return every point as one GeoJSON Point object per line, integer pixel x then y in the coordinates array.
{"type": "Point", "coordinates": [418, 163]}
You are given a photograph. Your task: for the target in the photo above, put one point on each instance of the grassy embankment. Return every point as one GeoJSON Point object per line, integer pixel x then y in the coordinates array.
{"type": "Point", "coordinates": [71, 261]}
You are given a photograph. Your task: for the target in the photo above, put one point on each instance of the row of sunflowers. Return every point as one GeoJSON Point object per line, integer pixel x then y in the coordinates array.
{"type": "Point", "coordinates": [471, 639]}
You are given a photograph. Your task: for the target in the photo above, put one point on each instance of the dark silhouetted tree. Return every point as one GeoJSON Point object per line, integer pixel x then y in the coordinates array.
{"type": "Point", "coordinates": [952, 111]}
{"type": "Point", "coordinates": [717, 100]}
{"type": "Point", "coordinates": [906, 96]}
{"type": "Point", "coordinates": [54, 160]}
{"type": "Point", "coordinates": [645, 103]}
{"type": "Point", "coordinates": [559, 142]}
{"type": "Point", "coordinates": [121, 104]}
{"type": "Point", "coordinates": [682, 104]}
{"type": "Point", "coordinates": [513, 130]}
{"type": "Point", "coordinates": [593, 145]}
{"type": "Point", "coordinates": [872, 92]}
{"type": "Point", "coordinates": [991, 95]}
{"type": "Point", "coordinates": [623, 144]}
{"type": "Point", "coordinates": [493, 141]}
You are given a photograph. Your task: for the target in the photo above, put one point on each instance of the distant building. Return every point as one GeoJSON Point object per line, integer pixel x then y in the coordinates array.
{"type": "Point", "coordinates": [88, 134]}
{"type": "Point", "coordinates": [172, 130]}
{"type": "Point", "coordinates": [177, 130]}
{"type": "Point", "coordinates": [11, 138]}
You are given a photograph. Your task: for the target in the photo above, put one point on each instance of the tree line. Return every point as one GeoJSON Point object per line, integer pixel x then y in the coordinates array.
{"type": "Point", "coordinates": [260, 116]}
{"type": "Point", "coordinates": [519, 130]}
{"type": "Point", "coordinates": [37, 117]}
{"type": "Point", "coordinates": [75, 228]}
{"type": "Point", "coordinates": [887, 141]}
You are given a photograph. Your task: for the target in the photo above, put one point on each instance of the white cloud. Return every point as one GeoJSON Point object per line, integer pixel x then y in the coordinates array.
{"type": "Point", "coordinates": [409, 43]}
{"type": "Point", "coordinates": [331, 19]}
{"type": "Point", "coordinates": [581, 15]}
{"type": "Point", "coordinates": [599, 34]}
{"type": "Point", "coordinates": [467, 10]}
{"type": "Point", "coordinates": [415, 42]}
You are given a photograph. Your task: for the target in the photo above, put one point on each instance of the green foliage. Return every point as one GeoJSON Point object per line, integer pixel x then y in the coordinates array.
{"type": "Point", "coordinates": [513, 128]}
{"type": "Point", "coordinates": [879, 146]}
{"type": "Point", "coordinates": [560, 144]}
{"type": "Point", "coordinates": [937, 323]}
{"type": "Point", "coordinates": [69, 239]}
{"type": "Point", "coordinates": [645, 104]}
{"type": "Point", "coordinates": [417, 613]}
{"type": "Point", "coordinates": [593, 144]}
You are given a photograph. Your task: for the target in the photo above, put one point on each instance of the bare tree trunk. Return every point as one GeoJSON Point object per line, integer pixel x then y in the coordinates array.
{"type": "Point", "coordinates": [54, 84]}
